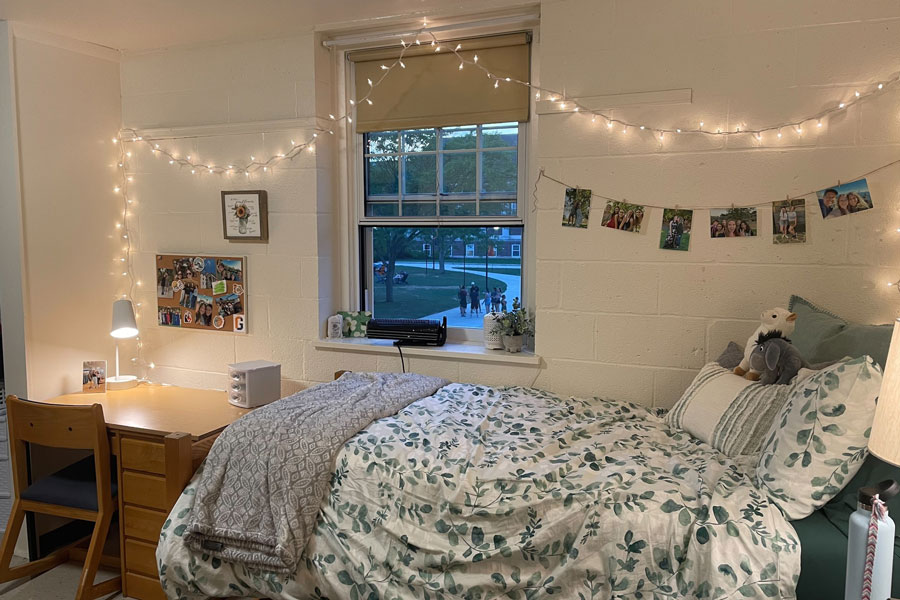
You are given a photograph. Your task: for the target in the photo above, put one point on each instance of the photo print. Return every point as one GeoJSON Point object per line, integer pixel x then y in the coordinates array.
{"type": "Point", "coordinates": [732, 222]}
{"type": "Point", "coordinates": [845, 199]}
{"type": "Point", "coordinates": [170, 316]}
{"type": "Point", "coordinates": [93, 377]}
{"type": "Point", "coordinates": [184, 268]}
{"type": "Point", "coordinates": [623, 216]}
{"type": "Point", "coordinates": [229, 270]}
{"type": "Point", "coordinates": [789, 221]}
{"type": "Point", "coordinates": [164, 280]}
{"type": "Point", "coordinates": [577, 208]}
{"type": "Point", "coordinates": [204, 315]}
{"type": "Point", "coordinates": [675, 233]}
{"type": "Point", "coordinates": [229, 305]}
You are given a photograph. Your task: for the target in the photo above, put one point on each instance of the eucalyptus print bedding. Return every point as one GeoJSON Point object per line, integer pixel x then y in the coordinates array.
{"type": "Point", "coordinates": [479, 492]}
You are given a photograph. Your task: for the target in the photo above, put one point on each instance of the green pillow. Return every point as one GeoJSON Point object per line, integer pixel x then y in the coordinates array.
{"type": "Point", "coordinates": [355, 322]}
{"type": "Point", "coordinates": [821, 336]}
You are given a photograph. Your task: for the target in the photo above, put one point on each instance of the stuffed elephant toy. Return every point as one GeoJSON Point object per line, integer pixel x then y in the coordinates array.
{"type": "Point", "coordinates": [776, 359]}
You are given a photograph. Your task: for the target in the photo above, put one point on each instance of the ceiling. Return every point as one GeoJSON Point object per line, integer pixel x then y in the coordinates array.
{"type": "Point", "coordinates": [139, 25]}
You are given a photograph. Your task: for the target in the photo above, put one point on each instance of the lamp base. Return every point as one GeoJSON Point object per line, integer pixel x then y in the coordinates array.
{"type": "Point", "coordinates": [122, 382]}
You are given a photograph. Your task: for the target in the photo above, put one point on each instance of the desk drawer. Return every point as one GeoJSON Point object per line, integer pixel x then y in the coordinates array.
{"type": "Point", "coordinates": [144, 490]}
{"type": "Point", "coordinates": [142, 455]}
{"type": "Point", "coordinates": [143, 588]}
{"type": "Point", "coordinates": [143, 524]}
{"type": "Point", "coordinates": [140, 557]}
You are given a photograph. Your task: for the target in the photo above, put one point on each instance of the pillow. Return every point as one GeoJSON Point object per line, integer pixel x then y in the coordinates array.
{"type": "Point", "coordinates": [355, 322]}
{"type": "Point", "coordinates": [730, 413]}
{"type": "Point", "coordinates": [818, 443]}
{"type": "Point", "coordinates": [821, 336]}
{"type": "Point", "coordinates": [731, 356]}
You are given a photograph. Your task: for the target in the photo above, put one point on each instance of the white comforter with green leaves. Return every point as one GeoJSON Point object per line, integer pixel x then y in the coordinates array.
{"type": "Point", "coordinates": [481, 492]}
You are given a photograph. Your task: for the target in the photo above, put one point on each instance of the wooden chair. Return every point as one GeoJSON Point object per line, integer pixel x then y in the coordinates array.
{"type": "Point", "coordinates": [83, 491]}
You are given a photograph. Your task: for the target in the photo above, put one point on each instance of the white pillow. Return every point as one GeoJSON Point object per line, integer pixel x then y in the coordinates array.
{"type": "Point", "coordinates": [728, 412]}
{"type": "Point", "coordinates": [818, 443]}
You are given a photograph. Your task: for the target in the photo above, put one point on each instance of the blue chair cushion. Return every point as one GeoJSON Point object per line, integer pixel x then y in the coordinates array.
{"type": "Point", "coordinates": [74, 486]}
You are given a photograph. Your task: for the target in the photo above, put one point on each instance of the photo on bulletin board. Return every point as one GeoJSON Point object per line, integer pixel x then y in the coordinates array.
{"type": "Point", "coordinates": [202, 292]}
{"type": "Point", "coordinates": [93, 377]}
{"type": "Point", "coordinates": [245, 216]}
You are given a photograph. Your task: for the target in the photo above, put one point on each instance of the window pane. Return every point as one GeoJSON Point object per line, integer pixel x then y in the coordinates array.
{"type": "Point", "coordinates": [419, 140]}
{"type": "Point", "coordinates": [501, 136]}
{"type": "Point", "coordinates": [459, 173]}
{"type": "Point", "coordinates": [499, 172]}
{"type": "Point", "coordinates": [419, 208]}
{"type": "Point", "coordinates": [420, 174]}
{"type": "Point", "coordinates": [485, 262]}
{"type": "Point", "coordinates": [501, 207]}
{"type": "Point", "coordinates": [459, 138]}
{"type": "Point", "coordinates": [382, 176]}
{"type": "Point", "coordinates": [454, 208]}
{"type": "Point", "coordinates": [382, 142]}
{"type": "Point", "coordinates": [382, 209]}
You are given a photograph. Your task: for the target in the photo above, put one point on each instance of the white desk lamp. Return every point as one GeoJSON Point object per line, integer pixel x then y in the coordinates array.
{"type": "Point", "coordinates": [124, 326]}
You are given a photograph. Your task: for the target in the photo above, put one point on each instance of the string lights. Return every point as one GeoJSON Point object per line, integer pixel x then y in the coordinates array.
{"type": "Point", "coordinates": [613, 124]}
{"type": "Point", "coordinates": [124, 263]}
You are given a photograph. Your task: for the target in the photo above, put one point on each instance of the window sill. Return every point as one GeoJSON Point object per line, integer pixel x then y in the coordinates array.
{"type": "Point", "coordinates": [458, 351]}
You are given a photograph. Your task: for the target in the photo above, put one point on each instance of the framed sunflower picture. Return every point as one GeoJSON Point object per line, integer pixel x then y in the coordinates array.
{"type": "Point", "coordinates": [245, 216]}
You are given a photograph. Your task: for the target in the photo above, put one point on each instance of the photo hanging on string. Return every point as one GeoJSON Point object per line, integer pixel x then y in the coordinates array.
{"type": "Point", "coordinates": [675, 233]}
{"type": "Point", "coordinates": [789, 221]}
{"type": "Point", "coordinates": [577, 208]}
{"type": "Point", "coordinates": [623, 216]}
{"type": "Point", "coordinates": [732, 222]}
{"type": "Point", "coordinates": [845, 199]}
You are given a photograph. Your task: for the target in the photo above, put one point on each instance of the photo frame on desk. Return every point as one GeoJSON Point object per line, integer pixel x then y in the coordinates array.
{"type": "Point", "coordinates": [93, 377]}
{"type": "Point", "coordinates": [245, 216]}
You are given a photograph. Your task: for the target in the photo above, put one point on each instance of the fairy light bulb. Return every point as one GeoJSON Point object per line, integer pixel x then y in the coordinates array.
{"type": "Point", "coordinates": [819, 123]}
{"type": "Point", "coordinates": [384, 67]}
{"type": "Point", "coordinates": [856, 93]}
{"type": "Point", "coordinates": [880, 86]}
{"type": "Point", "coordinates": [496, 84]}
{"type": "Point", "coordinates": [642, 127]}
{"type": "Point", "coordinates": [352, 102]}
{"type": "Point", "coordinates": [116, 190]}
{"type": "Point", "coordinates": [370, 82]}
{"type": "Point", "coordinates": [661, 135]}
{"type": "Point", "coordinates": [402, 65]}
{"type": "Point", "coordinates": [609, 124]}
{"type": "Point", "coordinates": [458, 47]}
{"type": "Point", "coordinates": [677, 131]}
{"type": "Point", "coordinates": [475, 58]}
{"type": "Point", "coordinates": [369, 101]}
{"type": "Point", "coordinates": [701, 124]}
{"type": "Point", "coordinates": [115, 141]}
{"type": "Point", "coordinates": [778, 134]}
{"type": "Point", "coordinates": [841, 105]}
{"type": "Point", "coordinates": [461, 66]}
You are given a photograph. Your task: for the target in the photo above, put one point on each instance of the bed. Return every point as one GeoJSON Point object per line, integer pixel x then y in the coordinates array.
{"type": "Point", "coordinates": [481, 492]}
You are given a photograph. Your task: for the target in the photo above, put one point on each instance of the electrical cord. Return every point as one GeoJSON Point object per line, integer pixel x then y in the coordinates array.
{"type": "Point", "coordinates": [399, 346]}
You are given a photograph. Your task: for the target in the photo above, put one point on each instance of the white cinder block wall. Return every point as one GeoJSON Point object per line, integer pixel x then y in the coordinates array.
{"type": "Point", "coordinates": [616, 316]}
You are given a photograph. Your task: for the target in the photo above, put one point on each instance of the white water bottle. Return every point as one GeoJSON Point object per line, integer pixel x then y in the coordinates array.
{"type": "Point", "coordinates": [857, 545]}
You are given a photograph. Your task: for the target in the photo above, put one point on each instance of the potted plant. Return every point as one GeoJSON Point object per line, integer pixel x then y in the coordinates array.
{"type": "Point", "coordinates": [513, 326]}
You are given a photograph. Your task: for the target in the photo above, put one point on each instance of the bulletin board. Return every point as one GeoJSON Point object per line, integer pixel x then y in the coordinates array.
{"type": "Point", "coordinates": [194, 291]}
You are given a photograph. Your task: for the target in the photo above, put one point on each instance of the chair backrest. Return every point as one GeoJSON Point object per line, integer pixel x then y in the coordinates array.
{"type": "Point", "coordinates": [72, 427]}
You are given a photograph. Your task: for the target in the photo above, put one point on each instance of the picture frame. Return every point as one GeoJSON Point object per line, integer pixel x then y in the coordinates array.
{"type": "Point", "coordinates": [245, 216]}
{"type": "Point", "coordinates": [93, 377]}
{"type": "Point", "coordinates": [199, 291]}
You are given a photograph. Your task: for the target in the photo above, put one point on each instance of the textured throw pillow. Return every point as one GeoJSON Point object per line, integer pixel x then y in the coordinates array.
{"type": "Point", "coordinates": [730, 413]}
{"type": "Point", "coordinates": [821, 336]}
{"type": "Point", "coordinates": [355, 322]}
{"type": "Point", "coordinates": [818, 443]}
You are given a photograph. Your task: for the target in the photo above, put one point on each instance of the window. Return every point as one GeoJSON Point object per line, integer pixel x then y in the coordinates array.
{"type": "Point", "coordinates": [446, 171]}
{"type": "Point", "coordinates": [439, 173]}
{"type": "Point", "coordinates": [441, 222]}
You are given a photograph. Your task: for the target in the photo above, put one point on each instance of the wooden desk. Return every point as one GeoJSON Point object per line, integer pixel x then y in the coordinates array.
{"type": "Point", "coordinates": [158, 434]}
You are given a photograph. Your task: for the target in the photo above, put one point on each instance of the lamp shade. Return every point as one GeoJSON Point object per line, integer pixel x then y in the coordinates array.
{"type": "Point", "coordinates": [884, 441]}
{"type": "Point", "coordinates": [124, 324]}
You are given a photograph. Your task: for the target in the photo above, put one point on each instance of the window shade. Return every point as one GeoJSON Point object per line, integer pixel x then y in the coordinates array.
{"type": "Point", "coordinates": [432, 91]}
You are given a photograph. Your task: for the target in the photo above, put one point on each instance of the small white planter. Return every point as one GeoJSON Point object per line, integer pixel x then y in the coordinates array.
{"type": "Point", "coordinates": [492, 341]}
{"type": "Point", "coordinates": [513, 343]}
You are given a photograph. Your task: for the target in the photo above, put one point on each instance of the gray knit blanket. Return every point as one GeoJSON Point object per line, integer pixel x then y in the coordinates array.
{"type": "Point", "coordinates": [267, 474]}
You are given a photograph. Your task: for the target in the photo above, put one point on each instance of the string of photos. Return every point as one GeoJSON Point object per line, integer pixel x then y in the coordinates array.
{"type": "Point", "coordinates": [790, 221]}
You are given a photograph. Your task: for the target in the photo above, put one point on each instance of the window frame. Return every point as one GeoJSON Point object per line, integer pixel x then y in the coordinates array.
{"type": "Point", "coordinates": [515, 250]}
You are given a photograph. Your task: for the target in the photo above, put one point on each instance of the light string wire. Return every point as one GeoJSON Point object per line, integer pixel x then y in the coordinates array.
{"type": "Point", "coordinates": [543, 175]}
{"type": "Point", "coordinates": [126, 262]}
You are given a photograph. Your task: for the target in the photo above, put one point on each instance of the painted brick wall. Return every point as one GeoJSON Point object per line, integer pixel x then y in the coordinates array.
{"type": "Point", "coordinates": [616, 316]}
